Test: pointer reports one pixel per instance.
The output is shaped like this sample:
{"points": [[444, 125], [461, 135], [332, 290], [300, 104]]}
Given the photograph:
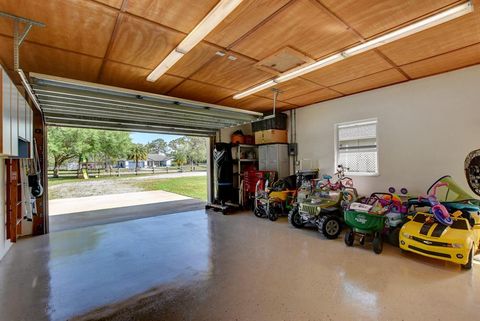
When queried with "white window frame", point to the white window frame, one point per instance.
{"points": [[336, 139]]}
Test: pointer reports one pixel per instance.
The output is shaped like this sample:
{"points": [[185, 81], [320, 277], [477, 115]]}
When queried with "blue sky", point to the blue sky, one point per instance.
{"points": [[144, 138]]}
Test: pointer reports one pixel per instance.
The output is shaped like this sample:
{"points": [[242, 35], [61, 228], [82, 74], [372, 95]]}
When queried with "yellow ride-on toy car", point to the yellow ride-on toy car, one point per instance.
{"points": [[275, 201], [448, 229]]}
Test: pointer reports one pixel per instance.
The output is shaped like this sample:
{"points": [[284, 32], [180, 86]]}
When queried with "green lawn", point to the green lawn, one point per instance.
{"points": [[195, 187]]}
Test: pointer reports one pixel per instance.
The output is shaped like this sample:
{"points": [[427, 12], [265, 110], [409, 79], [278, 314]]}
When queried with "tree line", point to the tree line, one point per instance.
{"points": [[106, 146]]}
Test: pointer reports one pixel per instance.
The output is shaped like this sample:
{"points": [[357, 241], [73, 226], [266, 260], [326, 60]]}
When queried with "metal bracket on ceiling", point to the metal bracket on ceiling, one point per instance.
{"points": [[276, 92], [18, 36]]}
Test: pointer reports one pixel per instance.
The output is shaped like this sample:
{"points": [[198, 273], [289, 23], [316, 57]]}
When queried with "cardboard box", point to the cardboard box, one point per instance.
{"points": [[271, 136]]}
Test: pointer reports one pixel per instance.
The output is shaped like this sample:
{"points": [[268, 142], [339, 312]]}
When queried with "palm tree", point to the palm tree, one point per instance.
{"points": [[138, 152]]}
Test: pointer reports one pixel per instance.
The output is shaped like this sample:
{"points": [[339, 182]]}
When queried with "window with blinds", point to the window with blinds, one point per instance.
{"points": [[356, 147]]}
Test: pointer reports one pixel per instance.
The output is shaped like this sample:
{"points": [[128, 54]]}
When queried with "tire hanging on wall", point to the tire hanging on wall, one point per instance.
{"points": [[472, 170]]}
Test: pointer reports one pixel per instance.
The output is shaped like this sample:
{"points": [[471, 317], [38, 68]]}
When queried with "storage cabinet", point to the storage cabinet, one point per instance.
{"points": [[16, 118], [274, 157]]}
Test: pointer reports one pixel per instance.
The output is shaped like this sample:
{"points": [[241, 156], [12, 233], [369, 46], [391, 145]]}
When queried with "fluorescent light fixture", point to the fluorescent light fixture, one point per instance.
{"points": [[309, 68], [166, 64], [255, 89], [426, 23], [439, 18], [211, 20]]}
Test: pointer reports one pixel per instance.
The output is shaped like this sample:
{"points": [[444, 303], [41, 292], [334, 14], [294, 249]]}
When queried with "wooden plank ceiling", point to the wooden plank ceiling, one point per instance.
{"points": [[118, 42]]}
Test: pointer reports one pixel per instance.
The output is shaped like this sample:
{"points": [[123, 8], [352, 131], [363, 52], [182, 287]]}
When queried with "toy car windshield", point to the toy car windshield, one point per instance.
{"points": [[452, 192]]}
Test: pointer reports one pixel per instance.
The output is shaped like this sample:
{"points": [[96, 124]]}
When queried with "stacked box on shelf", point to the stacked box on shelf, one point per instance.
{"points": [[271, 136]]}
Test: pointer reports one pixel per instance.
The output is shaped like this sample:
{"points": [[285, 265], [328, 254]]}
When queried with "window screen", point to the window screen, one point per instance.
{"points": [[357, 146]]}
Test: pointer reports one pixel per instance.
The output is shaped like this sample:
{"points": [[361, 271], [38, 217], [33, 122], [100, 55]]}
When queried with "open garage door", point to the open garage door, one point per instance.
{"points": [[78, 104], [72, 103]]}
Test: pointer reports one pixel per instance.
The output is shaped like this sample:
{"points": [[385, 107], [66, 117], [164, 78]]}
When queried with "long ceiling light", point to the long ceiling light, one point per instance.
{"points": [[211, 20], [439, 18]]}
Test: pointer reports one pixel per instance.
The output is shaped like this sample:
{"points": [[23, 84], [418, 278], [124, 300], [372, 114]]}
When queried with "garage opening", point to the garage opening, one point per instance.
{"points": [[117, 154], [103, 176]]}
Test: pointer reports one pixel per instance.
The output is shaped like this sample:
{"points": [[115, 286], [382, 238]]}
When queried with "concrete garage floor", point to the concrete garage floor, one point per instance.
{"points": [[206, 266], [69, 213]]}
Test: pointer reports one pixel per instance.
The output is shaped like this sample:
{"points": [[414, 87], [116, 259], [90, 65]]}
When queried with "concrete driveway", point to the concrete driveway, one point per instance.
{"points": [[100, 202]]}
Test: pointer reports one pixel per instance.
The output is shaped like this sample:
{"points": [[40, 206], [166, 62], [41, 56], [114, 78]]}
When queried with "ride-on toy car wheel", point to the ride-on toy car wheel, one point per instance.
{"points": [[259, 212], [272, 215], [468, 265], [349, 238], [394, 236], [377, 243], [330, 226], [295, 219]]}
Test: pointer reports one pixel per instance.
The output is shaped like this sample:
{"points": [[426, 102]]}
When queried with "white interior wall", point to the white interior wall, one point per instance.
{"points": [[425, 129], [4, 244]]}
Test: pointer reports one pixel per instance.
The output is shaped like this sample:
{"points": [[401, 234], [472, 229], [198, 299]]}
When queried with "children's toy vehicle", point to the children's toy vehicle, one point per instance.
{"points": [[341, 183], [367, 219], [321, 207], [275, 202], [424, 234], [397, 216]]}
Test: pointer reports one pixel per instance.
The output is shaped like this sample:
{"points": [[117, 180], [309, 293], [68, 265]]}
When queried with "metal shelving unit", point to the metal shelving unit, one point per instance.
{"points": [[241, 159]]}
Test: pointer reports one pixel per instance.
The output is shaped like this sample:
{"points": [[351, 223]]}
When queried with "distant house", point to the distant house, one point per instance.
{"points": [[130, 164], [158, 160]]}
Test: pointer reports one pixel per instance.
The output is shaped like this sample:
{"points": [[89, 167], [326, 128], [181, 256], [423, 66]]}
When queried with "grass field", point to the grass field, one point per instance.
{"points": [[194, 187]]}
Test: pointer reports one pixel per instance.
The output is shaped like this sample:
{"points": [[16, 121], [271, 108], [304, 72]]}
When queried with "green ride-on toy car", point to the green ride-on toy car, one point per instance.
{"points": [[321, 207]]}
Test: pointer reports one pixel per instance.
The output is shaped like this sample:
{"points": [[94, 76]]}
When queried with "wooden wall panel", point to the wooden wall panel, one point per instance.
{"points": [[247, 15], [458, 33], [371, 17], [237, 74], [142, 43], [449, 61], [195, 90], [181, 15], [51, 61], [78, 25], [314, 97], [120, 75], [59, 62], [380, 79], [351, 68], [303, 26], [194, 60], [291, 88], [112, 3]]}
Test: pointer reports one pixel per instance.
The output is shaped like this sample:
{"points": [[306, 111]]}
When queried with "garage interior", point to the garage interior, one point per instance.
{"points": [[388, 89]]}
